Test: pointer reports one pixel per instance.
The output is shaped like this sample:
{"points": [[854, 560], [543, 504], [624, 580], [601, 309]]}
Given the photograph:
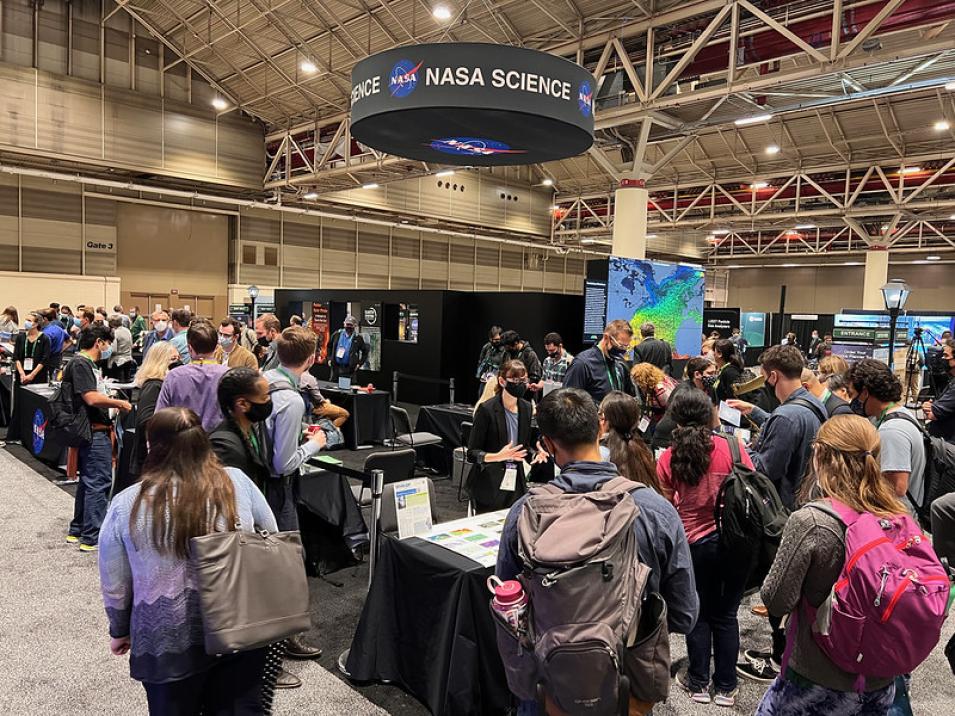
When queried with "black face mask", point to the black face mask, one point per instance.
{"points": [[513, 352], [617, 352], [858, 406], [264, 342], [553, 354], [259, 411], [709, 381], [175, 364], [518, 390]]}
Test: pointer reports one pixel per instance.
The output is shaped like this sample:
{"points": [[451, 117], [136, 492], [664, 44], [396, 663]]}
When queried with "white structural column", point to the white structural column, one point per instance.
{"points": [[876, 276], [630, 219]]}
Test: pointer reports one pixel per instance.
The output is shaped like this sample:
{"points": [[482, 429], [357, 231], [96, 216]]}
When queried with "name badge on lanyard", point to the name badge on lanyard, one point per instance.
{"points": [[28, 364], [509, 483]]}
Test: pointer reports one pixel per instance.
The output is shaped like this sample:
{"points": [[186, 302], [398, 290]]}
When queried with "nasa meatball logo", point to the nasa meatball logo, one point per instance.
{"points": [[39, 431], [371, 316], [404, 78], [472, 147], [585, 99]]}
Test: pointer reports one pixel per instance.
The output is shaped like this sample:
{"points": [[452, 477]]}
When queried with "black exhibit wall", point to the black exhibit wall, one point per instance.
{"points": [[452, 328], [723, 320]]}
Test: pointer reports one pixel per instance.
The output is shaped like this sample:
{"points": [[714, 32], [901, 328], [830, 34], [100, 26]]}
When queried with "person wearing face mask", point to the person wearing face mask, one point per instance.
{"points": [[31, 355], [194, 385], [491, 354], [181, 319], [835, 405], [84, 383], [941, 412], [730, 367], [781, 452], [600, 369], [516, 348], [556, 362], [160, 331], [653, 388], [137, 325], [814, 342], [500, 442], [120, 364], [652, 350], [229, 352], [240, 440], [267, 330], [347, 350]]}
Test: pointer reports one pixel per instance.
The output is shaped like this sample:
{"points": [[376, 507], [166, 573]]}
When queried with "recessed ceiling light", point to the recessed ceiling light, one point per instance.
{"points": [[941, 125], [219, 103], [756, 119], [933, 258], [950, 86], [311, 195], [789, 265], [852, 263], [910, 170], [445, 173], [805, 227], [441, 12], [759, 185], [651, 236], [772, 149], [371, 185], [548, 182], [308, 67]]}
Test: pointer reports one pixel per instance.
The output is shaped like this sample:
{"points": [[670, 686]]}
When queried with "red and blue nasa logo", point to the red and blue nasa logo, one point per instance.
{"points": [[39, 431], [472, 147], [404, 78], [585, 99]]}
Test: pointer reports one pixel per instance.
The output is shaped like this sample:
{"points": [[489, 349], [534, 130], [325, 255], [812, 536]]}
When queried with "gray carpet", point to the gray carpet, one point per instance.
{"points": [[54, 646]]}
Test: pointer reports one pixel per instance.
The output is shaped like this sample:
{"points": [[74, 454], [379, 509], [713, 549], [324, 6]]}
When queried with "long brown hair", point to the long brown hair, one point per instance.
{"points": [[846, 467], [186, 490], [628, 452]]}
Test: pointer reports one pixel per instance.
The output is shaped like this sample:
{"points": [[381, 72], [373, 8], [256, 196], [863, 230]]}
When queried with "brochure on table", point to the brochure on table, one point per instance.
{"points": [[477, 538], [413, 507]]}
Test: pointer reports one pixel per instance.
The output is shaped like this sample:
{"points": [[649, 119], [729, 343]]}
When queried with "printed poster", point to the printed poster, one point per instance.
{"points": [[319, 326], [477, 538], [371, 330]]}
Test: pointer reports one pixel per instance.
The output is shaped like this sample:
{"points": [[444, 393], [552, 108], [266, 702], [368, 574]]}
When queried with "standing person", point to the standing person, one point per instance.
{"points": [[120, 364], [809, 561], [653, 350], [516, 348], [941, 412], [556, 362], [149, 380], [781, 452], [319, 405], [137, 325], [876, 393], [600, 369], [194, 385], [181, 318], [814, 342], [833, 403], [691, 474], [836, 384], [492, 353], [60, 340], [295, 321], [730, 366], [739, 341], [832, 365], [229, 352], [653, 388], [150, 591], [500, 442], [118, 310], [347, 350], [95, 459], [66, 318], [160, 331], [268, 328], [10, 320], [621, 444], [31, 353], [790, 340]]}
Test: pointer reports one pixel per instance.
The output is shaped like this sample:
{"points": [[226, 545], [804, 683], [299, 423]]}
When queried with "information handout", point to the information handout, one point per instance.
{"points": [[729, 414], [477, 538], [413, 507]]}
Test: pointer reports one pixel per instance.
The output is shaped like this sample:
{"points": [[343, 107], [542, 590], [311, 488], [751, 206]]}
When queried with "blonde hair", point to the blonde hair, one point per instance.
{"points": [[156, 364], [647, 377], [846, 467], [833, 364], [490, 390]]}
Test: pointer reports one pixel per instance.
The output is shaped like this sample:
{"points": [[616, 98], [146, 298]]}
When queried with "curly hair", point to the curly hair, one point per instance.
{"points": [[646, 377], [692, 439], [875, 376]]}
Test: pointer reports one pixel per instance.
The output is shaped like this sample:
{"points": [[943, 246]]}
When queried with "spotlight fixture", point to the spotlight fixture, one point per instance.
{"points": [[910, 170], [720, 232], [548, 182], [772, 150], [219, 103], [310, 196], [805, 227], [372, 185], [308, 67], [756, 119], [441, 12], [757, 185], [942, 125]]}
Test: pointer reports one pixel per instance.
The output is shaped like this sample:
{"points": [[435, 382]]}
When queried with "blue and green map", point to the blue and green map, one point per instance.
{"points": [[668, 295]]}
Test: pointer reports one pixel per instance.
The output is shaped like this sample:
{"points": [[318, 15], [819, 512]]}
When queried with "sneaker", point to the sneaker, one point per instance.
{"points": [[700, 696], [757, 670], [88, 547], [752, 656], [72, 539], [726, 699]]}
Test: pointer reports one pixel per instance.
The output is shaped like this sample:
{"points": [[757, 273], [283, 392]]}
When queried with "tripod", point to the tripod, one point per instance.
{"points": [[913, 370]]}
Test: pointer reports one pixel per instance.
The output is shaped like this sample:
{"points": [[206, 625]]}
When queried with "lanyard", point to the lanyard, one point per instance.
{"points": [[884, 411], [203, 361], [30, 353], [610, 374], [288, 375], [825, 396], [254, 441]]}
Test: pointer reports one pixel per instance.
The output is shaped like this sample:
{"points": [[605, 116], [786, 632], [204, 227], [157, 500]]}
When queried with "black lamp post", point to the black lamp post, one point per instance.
{"points": [[253, 294], [895, 293]]}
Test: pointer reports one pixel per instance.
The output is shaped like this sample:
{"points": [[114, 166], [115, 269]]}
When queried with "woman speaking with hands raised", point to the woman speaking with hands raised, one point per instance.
{"points": [[500, 443]]}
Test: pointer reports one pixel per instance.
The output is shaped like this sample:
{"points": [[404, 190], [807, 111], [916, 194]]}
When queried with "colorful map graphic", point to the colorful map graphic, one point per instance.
{"points": [[668, 295]]}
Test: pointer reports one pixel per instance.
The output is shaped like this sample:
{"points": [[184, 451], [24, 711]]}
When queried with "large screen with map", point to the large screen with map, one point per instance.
{"points": [[669, 295]]}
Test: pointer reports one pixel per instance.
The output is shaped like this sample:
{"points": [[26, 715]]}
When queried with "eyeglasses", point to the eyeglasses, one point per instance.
{"points": [[226, 335], [518, 381]]}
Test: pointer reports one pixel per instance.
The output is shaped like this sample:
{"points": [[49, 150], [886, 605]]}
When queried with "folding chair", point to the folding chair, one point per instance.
{"points": [[397, 465]]}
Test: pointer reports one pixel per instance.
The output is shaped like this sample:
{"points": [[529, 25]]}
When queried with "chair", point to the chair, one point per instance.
{"points": [[403, 434], [397, 465], [389, 515], [461, 456]]}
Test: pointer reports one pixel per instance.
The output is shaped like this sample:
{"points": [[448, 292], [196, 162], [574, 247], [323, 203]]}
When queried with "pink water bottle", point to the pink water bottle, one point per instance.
{"points": [[510, 602]]}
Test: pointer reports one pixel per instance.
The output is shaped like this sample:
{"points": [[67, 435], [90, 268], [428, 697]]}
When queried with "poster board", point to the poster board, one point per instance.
{"points": [[412, 507], [319, 326], [371, 318]]}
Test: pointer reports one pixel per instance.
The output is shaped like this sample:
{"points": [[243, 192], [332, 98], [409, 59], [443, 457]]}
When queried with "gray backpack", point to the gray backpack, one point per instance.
{"points": [[591, 637]]}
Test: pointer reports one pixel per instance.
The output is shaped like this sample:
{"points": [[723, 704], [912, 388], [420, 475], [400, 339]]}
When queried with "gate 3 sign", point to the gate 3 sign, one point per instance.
{"points": [[472, 104]]}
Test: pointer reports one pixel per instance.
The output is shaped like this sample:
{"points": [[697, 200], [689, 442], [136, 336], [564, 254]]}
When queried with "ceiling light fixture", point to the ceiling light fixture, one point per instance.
{"points": [[950, 86], [942, 125], [756, 119], [720, 232], [933, 258], [445, 173], [651, 236], [441, 12], [852, 263], [910, 170], [311, 195], [772, 150], [757, 185], [219, 103], [372, 185], [548, 182], [805, 227], [308, 67]]}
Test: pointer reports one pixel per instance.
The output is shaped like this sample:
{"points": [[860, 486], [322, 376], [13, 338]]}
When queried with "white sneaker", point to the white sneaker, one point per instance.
{"points": [[698, 696], [726, 699]]}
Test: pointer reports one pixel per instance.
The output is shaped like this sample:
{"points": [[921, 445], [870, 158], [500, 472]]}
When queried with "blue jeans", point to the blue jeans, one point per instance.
{"points": [[92, 492], [720, 588]]}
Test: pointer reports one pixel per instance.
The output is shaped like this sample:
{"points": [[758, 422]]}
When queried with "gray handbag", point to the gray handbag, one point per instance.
{"points": [[252, 588]]}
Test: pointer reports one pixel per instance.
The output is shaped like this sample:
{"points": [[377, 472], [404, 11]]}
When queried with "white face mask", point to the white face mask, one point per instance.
{"points": [[160, 326]]}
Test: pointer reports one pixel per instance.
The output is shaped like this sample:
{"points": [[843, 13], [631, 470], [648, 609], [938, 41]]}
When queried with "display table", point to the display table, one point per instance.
{"points": [[38, 436], [330, 520], [370, 421], [444, 421], [427, 627]]}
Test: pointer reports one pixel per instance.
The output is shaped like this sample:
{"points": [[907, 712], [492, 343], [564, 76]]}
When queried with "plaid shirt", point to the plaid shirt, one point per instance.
{"points": [[555, 368]]}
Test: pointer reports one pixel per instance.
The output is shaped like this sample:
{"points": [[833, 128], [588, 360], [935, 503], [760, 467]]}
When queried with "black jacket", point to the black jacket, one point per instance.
{"points": [[233, 450], [943, 408], [837, 406], [529, 358], [489, 435], [729, 376], [591, 371], [356, 356], [39, 351], [145, 407], [655, 352]]}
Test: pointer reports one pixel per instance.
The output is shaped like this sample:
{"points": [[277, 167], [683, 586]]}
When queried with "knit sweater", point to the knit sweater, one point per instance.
{"points": [[808, 563], [152, 597]]}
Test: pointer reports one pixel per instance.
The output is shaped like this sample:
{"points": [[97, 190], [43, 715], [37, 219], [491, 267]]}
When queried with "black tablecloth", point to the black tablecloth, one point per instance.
{"points": [[330, 521], [370, 420], [38, 436], [426, 626], [6, 398], [444, 421]]}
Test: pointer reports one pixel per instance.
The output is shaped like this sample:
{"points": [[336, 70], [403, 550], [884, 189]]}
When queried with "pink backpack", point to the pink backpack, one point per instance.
{"points": [[885, 612]]}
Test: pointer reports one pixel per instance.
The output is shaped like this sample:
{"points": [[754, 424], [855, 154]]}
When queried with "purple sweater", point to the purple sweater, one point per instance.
{"points": [[194, 386]]}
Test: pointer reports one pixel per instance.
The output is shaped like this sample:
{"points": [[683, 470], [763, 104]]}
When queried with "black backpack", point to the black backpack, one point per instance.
{"points": [[939, 477], [73, 426], [749, 516]]}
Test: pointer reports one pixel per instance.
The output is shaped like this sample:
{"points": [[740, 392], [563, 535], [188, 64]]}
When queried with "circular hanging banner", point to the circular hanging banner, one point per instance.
{"points": [[472, 104]]}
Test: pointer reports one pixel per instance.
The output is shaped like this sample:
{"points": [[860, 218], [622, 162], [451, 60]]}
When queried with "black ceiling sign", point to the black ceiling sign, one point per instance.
{"points": [[472, 104]]}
